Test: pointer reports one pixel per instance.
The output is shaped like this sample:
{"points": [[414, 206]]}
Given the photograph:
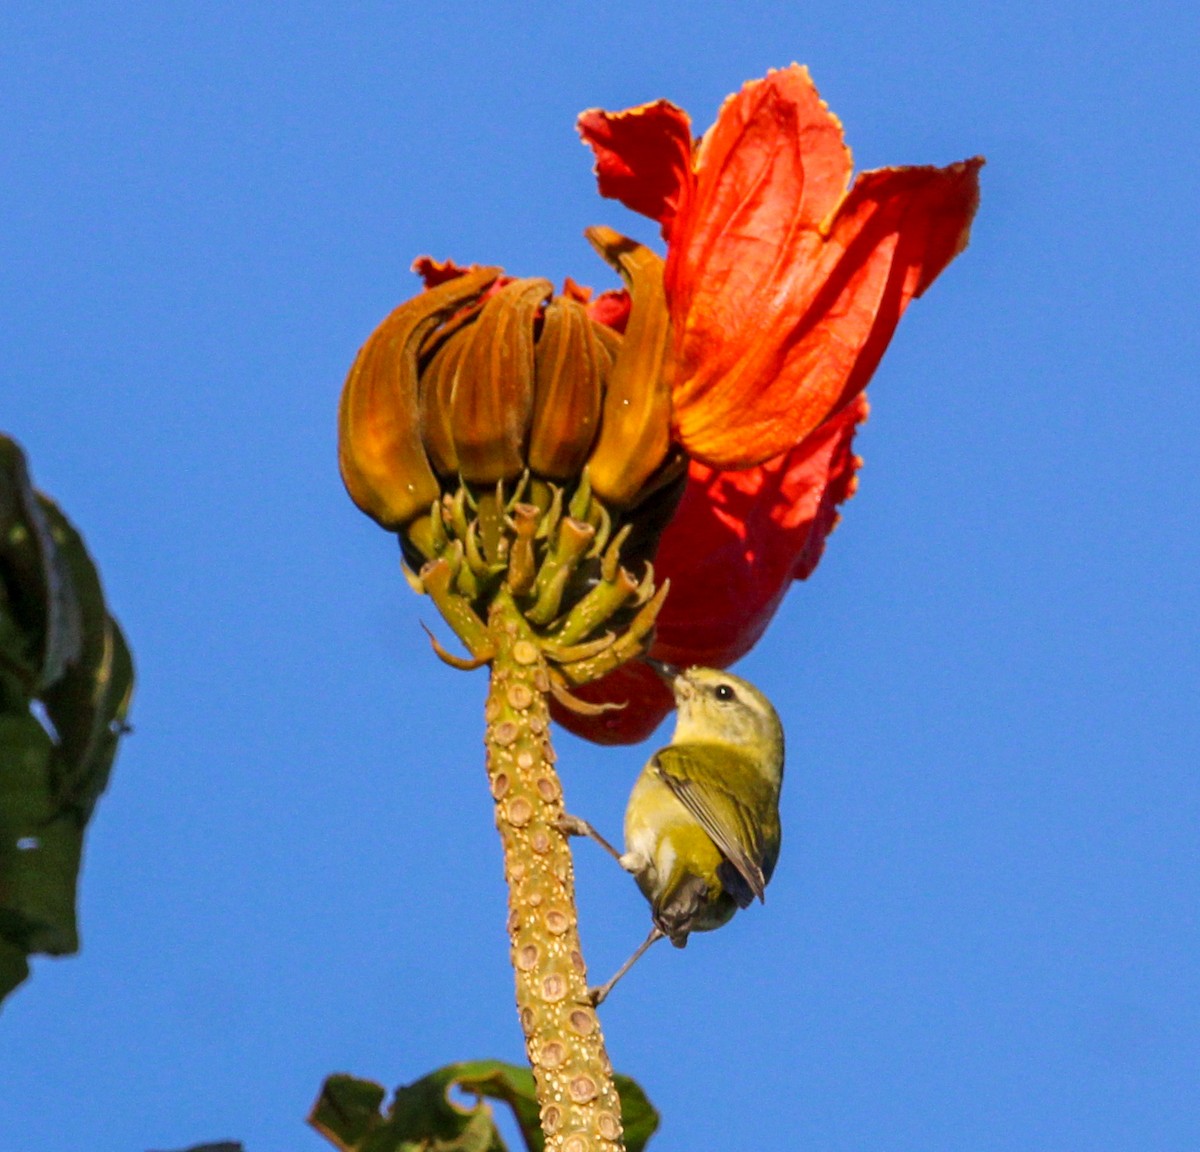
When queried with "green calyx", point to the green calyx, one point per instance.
{"points": [[581, 576]]}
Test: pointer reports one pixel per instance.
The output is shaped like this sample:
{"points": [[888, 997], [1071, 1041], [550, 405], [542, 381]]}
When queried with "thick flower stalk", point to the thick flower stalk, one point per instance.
{"points": [[580, 1108], [545, 458]]}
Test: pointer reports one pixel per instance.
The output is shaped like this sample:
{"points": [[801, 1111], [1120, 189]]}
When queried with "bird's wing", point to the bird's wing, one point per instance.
{"points": [[705, 779]]}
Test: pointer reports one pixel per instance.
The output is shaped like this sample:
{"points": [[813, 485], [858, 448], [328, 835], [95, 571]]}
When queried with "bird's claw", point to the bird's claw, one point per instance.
{"points": [[570, 825]]}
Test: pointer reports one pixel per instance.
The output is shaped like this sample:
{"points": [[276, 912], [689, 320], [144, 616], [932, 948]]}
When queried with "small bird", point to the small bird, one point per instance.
{"points": [[702, 830]]}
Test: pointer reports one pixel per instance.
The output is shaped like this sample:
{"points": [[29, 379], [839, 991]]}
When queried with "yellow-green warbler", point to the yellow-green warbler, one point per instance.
{"points": [[702, 829]]}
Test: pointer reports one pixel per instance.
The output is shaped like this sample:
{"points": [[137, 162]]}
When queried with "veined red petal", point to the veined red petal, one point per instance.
{"points": [[643, 157], [768, 173], [749, 385], [734, 547]]}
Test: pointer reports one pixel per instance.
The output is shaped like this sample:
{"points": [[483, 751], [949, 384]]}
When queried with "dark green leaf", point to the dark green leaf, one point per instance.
{"points": [[17, 672], [421, 1118], [347, 1110], [37, 576], [60, 649], [89, 701], [639, 1117], [37, 850], [13, 966], [508, 1082], [40, 846]]}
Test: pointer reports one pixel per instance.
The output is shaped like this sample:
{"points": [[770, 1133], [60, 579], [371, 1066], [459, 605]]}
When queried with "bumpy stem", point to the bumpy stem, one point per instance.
{"points": [[580, 1110]]}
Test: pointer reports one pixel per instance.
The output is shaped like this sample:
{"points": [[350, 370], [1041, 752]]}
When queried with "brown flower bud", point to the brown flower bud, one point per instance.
{"points": [[492, 399], [568, 383], [380, 450], [635, 421], [437, 387]]}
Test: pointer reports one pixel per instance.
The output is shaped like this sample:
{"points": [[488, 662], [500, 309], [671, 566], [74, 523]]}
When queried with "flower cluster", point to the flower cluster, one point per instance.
{"points": [[706, 413]]}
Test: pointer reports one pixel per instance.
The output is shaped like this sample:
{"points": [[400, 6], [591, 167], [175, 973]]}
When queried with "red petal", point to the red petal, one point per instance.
{"points": [[435, 272], [842, 480], [643, 157], [740, 538], [573, 290], [783, 291], [929, 212], [838, 307], [611, 308], [646, 697]]}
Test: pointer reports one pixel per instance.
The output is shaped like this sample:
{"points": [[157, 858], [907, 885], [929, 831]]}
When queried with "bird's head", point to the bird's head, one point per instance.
{"points": [[718, 707]]}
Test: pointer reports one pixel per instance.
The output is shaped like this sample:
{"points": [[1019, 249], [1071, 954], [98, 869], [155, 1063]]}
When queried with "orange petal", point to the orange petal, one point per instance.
{"points": [[643, 157], [768, 172], [760, 367]]}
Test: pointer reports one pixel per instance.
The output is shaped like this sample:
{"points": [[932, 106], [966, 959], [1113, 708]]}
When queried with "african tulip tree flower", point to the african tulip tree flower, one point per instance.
{"points": [[741, 362]]}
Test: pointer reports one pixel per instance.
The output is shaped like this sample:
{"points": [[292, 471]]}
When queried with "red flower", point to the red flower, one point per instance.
{"points": [[784, 284]]}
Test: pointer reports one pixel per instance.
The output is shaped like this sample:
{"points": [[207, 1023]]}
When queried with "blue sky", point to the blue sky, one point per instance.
{"points": [[983, 930]]}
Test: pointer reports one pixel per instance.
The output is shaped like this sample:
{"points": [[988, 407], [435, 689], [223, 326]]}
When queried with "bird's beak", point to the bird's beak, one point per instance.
{"points": [[668, 672]]}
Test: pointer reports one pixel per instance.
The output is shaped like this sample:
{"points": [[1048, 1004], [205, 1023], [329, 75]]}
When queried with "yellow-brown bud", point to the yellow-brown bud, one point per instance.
{"points": [[492, 399], [437, 386], [635, 422], [380, 450], [570, 368], [481, 381]]}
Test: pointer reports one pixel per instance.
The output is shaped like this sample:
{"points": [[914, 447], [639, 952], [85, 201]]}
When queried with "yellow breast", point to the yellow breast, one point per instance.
{"points": [[663, 840]]}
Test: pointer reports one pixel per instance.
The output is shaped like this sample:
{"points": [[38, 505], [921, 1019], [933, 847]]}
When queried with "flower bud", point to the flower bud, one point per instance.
{"points": [[380, 450], [492, 398], [570, 364], [437, 386], [635, 423]]}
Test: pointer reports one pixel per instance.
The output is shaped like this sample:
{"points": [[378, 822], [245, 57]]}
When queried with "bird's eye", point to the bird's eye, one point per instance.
{"points": [[724, 692]]}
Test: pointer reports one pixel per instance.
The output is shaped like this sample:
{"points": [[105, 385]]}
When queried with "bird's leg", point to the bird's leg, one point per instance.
{"points": [[598, 995], [573, 826]]}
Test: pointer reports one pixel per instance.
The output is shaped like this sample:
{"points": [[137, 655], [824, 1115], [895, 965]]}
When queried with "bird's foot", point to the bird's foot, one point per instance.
{"points": [[570, 825]]}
